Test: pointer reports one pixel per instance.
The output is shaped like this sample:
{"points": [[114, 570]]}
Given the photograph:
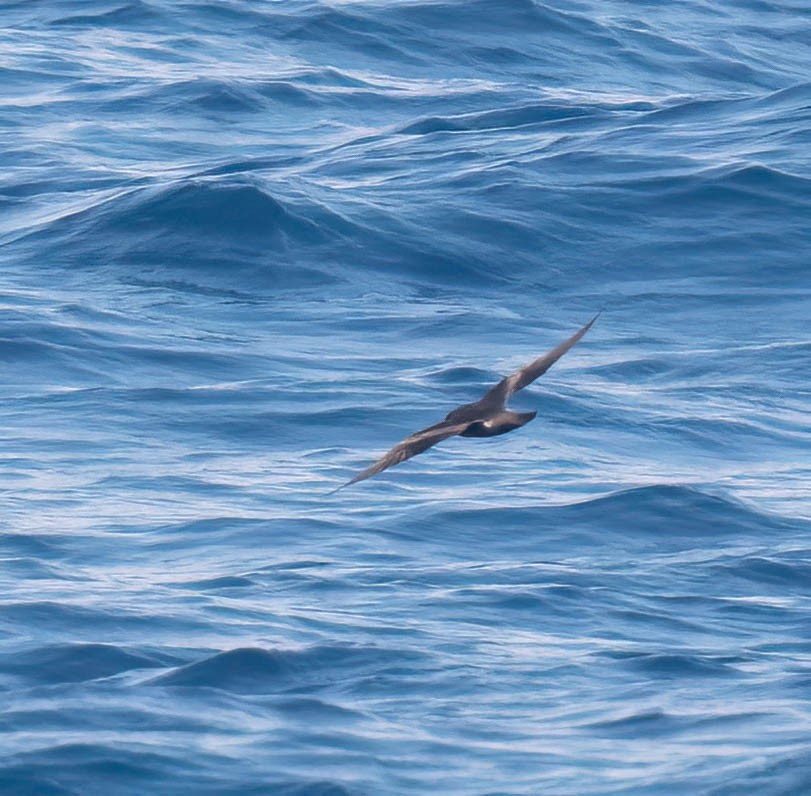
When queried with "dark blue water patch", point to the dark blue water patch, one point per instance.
{"points": [[488, 606], [290, 92], [219, 531], [792, 98], [314, 788], [786, 776], [463, 374], [196, 226], [97, 360], [93, 760], [256, 428], [645, 617], [169, 404], [12, 570], [19, 83], [70, 769], [673, 515], [503, 118], [675, 665], [32, 355], [216, 233], [652, 723], [178, 484], [309, 709], [487, 17], [203, 531], [49, 615], [744, 613], [23, 780], [205, 94], [225, 583], [659, 723], [343, 29], [241, 211], [648, 369], [240, 671], [695, 373], [730, 438], [134, 14], [40, 547], [73, 663], [791, 572], [260, 671], [223, 100], [483, 31], [757, 187], [15, 191]]}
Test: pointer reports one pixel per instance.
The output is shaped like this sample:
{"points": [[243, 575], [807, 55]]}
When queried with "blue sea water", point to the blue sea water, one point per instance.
{"points": [[245, 247]]}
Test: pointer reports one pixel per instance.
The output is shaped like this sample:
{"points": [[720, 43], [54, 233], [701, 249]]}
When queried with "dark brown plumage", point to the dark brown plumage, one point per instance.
{"points": [[486, 417]]}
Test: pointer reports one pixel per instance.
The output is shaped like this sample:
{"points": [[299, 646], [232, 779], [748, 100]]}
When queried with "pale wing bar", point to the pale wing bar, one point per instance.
{"points": [[416, 443]]}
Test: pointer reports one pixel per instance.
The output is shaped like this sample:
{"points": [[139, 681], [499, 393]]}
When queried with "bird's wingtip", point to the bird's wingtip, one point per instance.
{"points": [[358, 477]]}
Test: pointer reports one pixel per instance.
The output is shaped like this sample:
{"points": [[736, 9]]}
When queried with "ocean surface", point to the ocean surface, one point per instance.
{"points": [[246, 247]]}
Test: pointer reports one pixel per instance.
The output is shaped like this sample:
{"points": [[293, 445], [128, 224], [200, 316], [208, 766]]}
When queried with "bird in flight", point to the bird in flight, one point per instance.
{"points": [[487, 417]]}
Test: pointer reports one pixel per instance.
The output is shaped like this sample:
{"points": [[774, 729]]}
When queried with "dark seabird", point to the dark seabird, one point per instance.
{"points": [[487, 417]]}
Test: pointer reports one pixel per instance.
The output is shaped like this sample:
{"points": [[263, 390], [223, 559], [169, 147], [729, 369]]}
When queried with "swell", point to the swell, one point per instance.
{"points": [[673, 515], [237, 235], [754, 185], [197, 227], [257, 671], [76, 662], [505, 119]]}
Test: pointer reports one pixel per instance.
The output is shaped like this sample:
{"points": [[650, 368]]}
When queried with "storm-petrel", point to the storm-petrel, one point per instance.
{"points": [[487, 417]]}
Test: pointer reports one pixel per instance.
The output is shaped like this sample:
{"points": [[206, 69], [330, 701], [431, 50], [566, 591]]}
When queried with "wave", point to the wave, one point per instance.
{"points": [[209, 210], [206, 94], [488, 16], [199, 227], [679, 665], [134, 13], [62, 770], [208, 231], [76, 662], [787, 775], [504, 118], [671, 514], [794, 576], [71, 769], [660, 723], [727, 185], [219, 97], [261, 671], [68, 617]]}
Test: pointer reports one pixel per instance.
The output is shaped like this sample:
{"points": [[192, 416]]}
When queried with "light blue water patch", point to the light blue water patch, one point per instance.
{"points": [[247, 247]]}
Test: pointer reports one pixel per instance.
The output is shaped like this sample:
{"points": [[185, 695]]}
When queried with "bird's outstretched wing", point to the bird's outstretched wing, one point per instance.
{"points": [[412, 445], [498, 395]]}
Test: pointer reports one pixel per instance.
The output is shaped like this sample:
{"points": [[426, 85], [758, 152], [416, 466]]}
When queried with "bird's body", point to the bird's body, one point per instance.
{"points": [[487, 417], [498, 424]]}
